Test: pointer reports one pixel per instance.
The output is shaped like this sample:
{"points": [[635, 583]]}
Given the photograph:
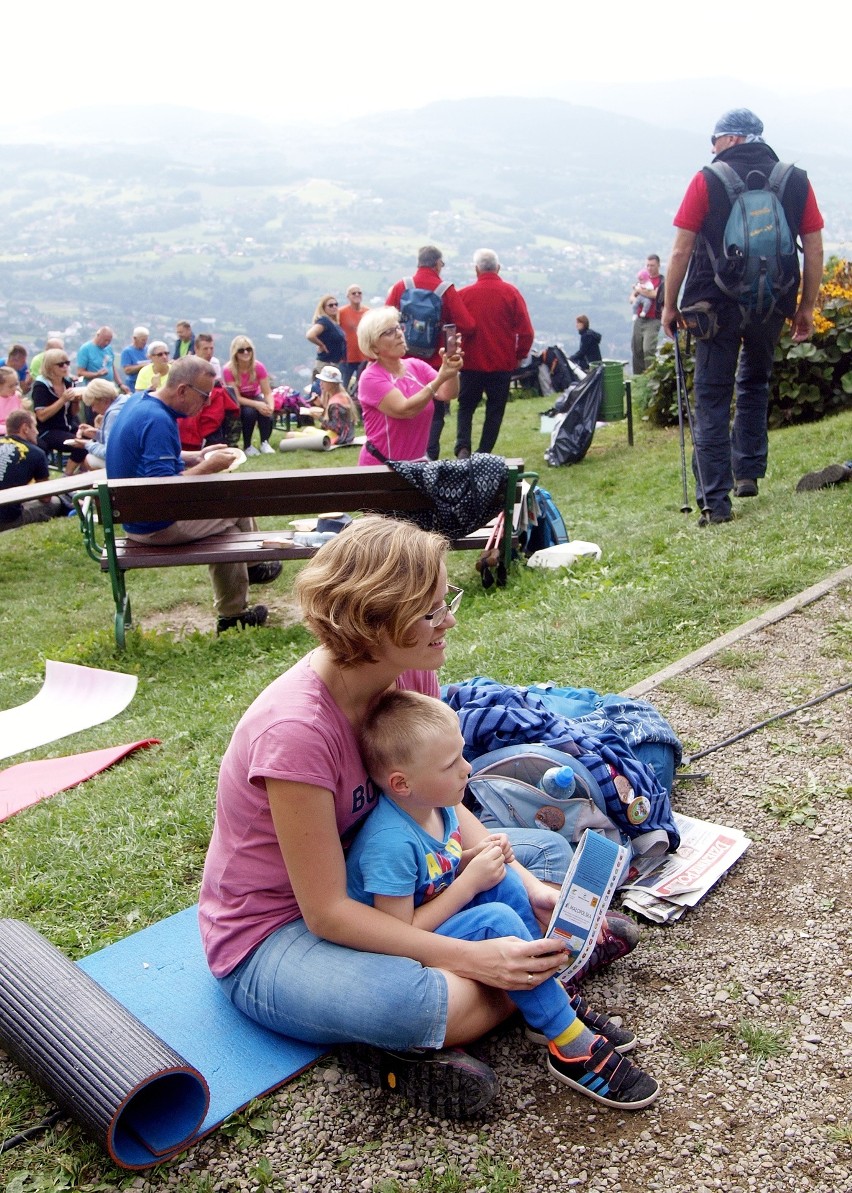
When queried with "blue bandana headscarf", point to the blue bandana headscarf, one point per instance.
{"points": [[739, 122]]}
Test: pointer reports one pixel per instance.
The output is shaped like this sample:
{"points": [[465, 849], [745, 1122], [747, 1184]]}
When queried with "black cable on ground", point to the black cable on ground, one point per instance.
{"points": [[779, 716], [6, 1145]]}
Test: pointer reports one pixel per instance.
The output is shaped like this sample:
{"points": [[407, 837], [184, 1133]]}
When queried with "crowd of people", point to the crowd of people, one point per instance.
{"points": [[426, 934]]}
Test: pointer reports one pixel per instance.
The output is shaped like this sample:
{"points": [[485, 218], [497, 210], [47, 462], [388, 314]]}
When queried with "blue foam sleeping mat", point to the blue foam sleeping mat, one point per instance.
{"points": [[160, 975]]}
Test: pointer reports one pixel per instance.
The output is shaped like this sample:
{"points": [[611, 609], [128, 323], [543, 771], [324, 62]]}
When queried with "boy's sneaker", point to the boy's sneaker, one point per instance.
{"points": [[447, 1082], [251, 450], [256, 615], [266, 448], [605, 1076], [621, 1038], [618, 937]]}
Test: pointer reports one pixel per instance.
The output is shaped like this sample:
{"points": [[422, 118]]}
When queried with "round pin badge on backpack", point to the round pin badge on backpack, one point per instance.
{"points": [[638, 810]]}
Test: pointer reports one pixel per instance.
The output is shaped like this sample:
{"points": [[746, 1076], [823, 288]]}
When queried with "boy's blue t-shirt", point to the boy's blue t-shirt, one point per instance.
{"points": [[393, 855]]}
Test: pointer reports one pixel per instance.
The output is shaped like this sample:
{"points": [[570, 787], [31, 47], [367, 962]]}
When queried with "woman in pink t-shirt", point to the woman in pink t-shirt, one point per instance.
{"points": [[253, 392], [396, 393], [290, 948]]}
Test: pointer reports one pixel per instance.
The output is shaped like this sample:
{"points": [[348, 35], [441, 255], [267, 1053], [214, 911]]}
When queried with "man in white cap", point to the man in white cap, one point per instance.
{"points": [[740, 345]]}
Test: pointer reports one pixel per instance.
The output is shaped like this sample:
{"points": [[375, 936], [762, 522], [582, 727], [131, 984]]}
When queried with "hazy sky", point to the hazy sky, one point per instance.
{"points": [[302, 60]]}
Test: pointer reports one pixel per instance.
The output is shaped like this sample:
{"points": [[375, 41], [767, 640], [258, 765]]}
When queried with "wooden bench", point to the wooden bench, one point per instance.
{"points": [[251, 495], [52, 488]]}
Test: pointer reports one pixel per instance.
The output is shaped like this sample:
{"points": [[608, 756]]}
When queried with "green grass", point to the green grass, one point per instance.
{"points": [[703, 1055], [762, 1042], [125, 849]]}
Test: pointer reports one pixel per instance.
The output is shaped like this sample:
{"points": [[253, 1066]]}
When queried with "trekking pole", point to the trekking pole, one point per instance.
{"points": [[681, 379], [779, 716], [685, 508]]}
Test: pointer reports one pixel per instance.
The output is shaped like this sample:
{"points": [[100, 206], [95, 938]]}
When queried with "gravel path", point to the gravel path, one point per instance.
{"points": [[768, 949]]}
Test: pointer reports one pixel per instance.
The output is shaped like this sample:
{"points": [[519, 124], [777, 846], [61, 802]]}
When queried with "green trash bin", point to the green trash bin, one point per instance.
{"points": [[612, 406]]}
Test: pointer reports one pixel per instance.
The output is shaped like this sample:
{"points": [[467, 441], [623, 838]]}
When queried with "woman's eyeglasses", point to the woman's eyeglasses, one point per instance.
{"points": [[391, 331], [240, 351], [439, 616]]}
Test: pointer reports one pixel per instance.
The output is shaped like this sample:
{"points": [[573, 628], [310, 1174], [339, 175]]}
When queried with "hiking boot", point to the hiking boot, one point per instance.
{"points": [[711, 519], [447, 1083], [834, 474], [605, 1076], [256, 615], [618, 937], [621, 1038], [746, 488], [264, 573]]}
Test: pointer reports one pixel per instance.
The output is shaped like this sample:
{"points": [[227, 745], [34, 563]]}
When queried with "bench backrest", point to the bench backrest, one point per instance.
{"points": [[259, 494]]}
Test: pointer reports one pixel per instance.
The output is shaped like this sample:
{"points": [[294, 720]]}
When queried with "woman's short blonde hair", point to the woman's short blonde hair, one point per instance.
{"points": [[401, 728], [100, 390], [371, 327], [52, 358], [370, 583]]}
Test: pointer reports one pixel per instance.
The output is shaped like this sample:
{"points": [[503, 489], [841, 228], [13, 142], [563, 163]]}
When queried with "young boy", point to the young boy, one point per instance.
{"points": [[412, 861]]}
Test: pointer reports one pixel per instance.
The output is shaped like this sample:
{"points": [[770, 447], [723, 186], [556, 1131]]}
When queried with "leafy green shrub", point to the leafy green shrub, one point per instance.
{"points": [[809, 380]]}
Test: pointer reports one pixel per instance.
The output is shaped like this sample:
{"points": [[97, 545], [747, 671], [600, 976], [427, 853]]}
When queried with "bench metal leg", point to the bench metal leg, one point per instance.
{"points": [[123, 621]]}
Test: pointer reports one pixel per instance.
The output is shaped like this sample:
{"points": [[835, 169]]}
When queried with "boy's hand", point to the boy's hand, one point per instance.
{"points": [[497, 839], [486, 868]]}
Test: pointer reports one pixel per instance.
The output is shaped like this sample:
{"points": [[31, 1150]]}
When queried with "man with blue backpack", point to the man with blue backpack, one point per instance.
{"points": [[738, 229], [426, 306]]}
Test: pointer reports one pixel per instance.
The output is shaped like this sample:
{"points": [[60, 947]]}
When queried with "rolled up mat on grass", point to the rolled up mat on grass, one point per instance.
{"points": [[138, 1097], [23, 785], [297, 441], [72, 698]]}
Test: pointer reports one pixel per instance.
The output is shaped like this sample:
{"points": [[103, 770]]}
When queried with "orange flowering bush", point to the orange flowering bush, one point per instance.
{"points": [[809, 380]]}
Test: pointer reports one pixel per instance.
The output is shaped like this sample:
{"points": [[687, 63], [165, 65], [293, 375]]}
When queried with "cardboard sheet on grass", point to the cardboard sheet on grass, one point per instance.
{"points": [[72, 698], [160, 975], [27, 783]]}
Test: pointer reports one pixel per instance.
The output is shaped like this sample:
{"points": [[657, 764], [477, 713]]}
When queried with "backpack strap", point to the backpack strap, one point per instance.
{"points": [[778, 179], [376, 452], [729, 179], [442, 289], [408, 284]]}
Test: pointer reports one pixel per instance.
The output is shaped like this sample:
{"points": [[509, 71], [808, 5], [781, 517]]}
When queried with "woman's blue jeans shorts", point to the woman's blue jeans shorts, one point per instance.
{"points": [[299, 985]]}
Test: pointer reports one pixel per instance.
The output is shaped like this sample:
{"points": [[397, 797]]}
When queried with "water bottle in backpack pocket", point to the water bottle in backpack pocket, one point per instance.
{"points": [[508, 784]]}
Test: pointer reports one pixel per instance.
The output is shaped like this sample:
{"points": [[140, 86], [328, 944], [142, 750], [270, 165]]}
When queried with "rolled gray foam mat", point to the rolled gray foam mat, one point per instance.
{"points": [[138, 1098]]}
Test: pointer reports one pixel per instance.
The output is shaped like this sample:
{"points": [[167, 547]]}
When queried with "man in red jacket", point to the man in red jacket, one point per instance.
{"points": [[430, 262], [503, 337]]}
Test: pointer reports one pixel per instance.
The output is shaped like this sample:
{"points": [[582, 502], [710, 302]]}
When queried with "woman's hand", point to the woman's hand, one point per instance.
{"points": [[451, 366], [510, 963]]}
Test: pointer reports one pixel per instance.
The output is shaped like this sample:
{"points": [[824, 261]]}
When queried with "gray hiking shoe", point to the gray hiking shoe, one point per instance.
{"points": [[447, 1083]]}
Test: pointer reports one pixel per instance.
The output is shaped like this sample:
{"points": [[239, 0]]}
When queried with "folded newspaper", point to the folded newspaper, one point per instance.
{"points": [[662, 888], [585, 895]]}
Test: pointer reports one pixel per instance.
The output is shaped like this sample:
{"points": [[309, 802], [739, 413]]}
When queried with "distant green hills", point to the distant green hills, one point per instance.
{"points": [[244, 226]]}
